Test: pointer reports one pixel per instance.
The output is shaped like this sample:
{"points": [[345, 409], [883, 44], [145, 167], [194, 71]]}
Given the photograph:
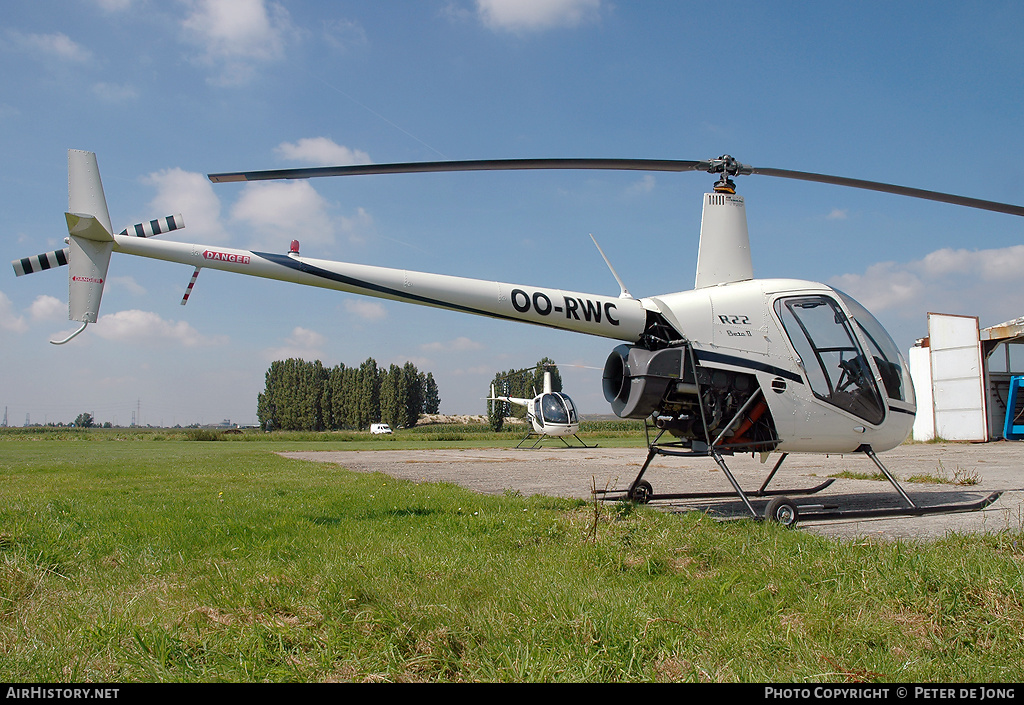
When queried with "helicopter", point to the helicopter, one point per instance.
{"points": [[551, 414], [734, 365]]}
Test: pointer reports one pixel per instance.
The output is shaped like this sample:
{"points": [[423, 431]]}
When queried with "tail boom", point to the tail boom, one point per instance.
{"points": [[609, 317]]}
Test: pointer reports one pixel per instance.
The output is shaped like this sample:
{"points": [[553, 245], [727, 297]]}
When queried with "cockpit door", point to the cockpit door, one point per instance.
{"points": [[837, 370]]}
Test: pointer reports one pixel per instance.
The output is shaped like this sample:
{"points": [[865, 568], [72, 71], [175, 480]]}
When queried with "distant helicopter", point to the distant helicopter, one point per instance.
{"points": [[551, 414], [736, 364]]}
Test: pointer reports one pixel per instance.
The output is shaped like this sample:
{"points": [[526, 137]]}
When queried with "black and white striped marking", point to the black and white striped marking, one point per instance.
{"points": [[37, 263], [155, 227]]}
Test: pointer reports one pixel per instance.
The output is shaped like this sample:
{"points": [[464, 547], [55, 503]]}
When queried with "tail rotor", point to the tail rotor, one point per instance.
{"points": [[90, 242]]}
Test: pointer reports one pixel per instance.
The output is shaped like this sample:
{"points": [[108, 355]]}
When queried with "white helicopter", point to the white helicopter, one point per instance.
{"points": [[551, 414], [736, 364]]}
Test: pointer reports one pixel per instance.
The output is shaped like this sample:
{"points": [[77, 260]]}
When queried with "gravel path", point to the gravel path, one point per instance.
{"points": [[573, 472]]}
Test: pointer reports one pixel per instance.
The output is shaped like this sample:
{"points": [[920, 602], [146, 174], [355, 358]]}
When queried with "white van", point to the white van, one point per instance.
{"points": [[380, 428]]}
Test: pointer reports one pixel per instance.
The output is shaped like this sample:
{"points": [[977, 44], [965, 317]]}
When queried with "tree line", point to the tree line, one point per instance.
{"points": [[307, 396], [523, 384]]}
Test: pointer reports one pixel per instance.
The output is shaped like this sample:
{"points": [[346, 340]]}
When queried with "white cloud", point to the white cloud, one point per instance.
{"points": [[321, 151], [358, 227], [1000, 264], [48, 308], [114, 5], [192, 195], [366, 309], [421, 363], [458, 344], [343, 34], [235, 34], [984, 283], [136, 326], [303, 344], [305, 337], [487, 370], [837, 214], [644, 185], [277, 212], [882, 286], [126, 282], [49, 46], [114, 93], [536, 15], [9, 321]]}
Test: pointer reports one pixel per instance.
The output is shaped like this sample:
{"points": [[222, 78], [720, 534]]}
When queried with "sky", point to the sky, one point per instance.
{"points": [[921, 94]]}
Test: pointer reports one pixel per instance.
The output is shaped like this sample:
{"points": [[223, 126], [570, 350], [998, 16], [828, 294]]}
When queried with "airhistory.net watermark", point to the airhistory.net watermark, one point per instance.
{"points": [[56, 693]]}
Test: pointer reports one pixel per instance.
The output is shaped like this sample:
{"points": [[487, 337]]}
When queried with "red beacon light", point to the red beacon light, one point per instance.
{"points": [[294, 248]]}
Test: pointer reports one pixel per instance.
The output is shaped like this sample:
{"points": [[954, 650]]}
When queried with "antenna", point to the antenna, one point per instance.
{"points": [[623, 293]]}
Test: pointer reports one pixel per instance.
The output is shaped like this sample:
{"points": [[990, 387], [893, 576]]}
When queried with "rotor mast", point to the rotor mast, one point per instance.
{"points": [[723, 255]]}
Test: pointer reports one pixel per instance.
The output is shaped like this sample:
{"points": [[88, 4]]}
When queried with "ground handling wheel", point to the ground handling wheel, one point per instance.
{"points": [[783, 511], [641, 492]]}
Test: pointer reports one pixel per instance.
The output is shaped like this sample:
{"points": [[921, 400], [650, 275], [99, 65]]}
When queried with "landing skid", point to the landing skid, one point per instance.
{"points": [[781, 508], [641, 491], [541, 437]]}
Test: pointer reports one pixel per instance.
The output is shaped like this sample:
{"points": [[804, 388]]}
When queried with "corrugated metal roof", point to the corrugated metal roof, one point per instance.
{"points": [[1004, 331]]}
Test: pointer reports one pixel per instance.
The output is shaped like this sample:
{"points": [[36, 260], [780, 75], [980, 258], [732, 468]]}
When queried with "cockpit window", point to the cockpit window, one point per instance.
{"points": [[558, 408], [890, 363], [837, 369], [570, 408]]}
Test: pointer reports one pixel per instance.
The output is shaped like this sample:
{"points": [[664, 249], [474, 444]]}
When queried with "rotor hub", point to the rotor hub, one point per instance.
{"points": [[727, 166]]}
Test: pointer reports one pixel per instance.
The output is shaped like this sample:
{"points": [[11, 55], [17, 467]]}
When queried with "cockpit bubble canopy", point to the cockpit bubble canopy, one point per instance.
{"points": [[891, 364]]}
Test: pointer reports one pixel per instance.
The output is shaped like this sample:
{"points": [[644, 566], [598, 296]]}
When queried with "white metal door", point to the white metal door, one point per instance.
{"points": [[957, 388]]}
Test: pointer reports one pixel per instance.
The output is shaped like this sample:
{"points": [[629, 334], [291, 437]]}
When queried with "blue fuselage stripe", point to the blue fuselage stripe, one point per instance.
{"points": [[705, 356], [286, 261]]}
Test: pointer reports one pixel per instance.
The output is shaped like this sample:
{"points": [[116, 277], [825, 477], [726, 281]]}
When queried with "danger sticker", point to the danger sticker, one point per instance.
{"points": [[226, 257]]}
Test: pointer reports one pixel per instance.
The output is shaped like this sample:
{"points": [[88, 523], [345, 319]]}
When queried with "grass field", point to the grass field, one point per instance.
{"points": [[149, 556]]}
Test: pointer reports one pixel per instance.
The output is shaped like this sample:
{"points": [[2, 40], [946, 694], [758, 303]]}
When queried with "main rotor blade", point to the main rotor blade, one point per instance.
{"points": [[722, 165], [890, 188], [466, 165]]}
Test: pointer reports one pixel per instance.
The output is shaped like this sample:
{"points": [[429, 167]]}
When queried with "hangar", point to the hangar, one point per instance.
{"points": [[966, 377]]}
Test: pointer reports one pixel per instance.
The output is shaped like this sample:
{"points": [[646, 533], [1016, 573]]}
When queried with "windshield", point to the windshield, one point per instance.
{"points": [[558, 408], [891, 365]]}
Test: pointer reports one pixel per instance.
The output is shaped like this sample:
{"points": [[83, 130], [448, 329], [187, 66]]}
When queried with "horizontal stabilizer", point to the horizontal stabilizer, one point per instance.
{"points": [[155, 227], [88, 227], [37, 263]]}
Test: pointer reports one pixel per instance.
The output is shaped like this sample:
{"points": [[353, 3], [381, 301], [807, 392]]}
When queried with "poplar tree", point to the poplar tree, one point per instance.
{"points": [[301, 395], [431, 398]]}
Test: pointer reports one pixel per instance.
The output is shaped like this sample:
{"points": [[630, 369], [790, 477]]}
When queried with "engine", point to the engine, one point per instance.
{"points": [[636, 380], [683, 397]]}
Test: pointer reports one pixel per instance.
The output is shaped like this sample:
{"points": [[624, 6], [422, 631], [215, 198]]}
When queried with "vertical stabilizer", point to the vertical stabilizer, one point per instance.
{"points": [[85, 190], [90, 242], [724, 252]]}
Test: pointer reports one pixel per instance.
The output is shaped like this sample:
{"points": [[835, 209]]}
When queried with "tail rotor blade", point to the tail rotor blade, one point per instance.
{"points": [[38, 263], [155, 227]]}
